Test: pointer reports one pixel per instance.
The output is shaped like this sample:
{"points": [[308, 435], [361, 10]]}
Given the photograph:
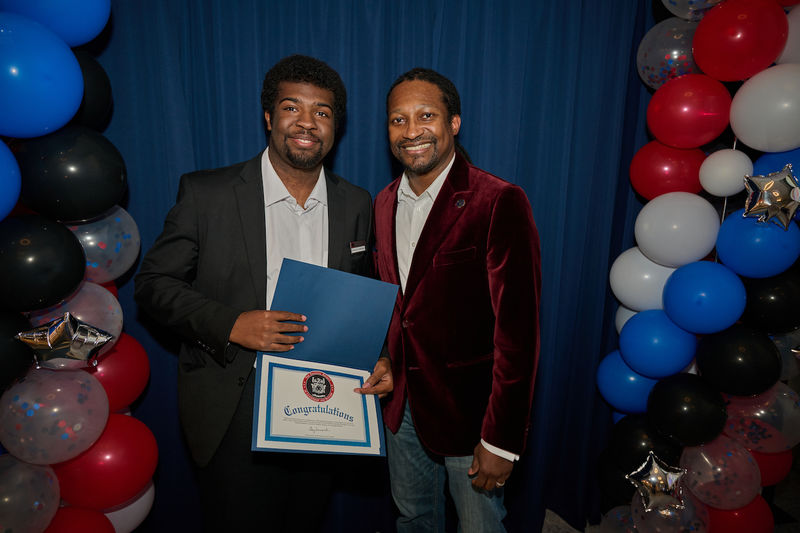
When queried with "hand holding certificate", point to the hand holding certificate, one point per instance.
{"points": [[312, 402]]}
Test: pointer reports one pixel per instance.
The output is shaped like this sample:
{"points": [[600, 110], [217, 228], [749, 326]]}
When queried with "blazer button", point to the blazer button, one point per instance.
{"points": [[406, 323]]}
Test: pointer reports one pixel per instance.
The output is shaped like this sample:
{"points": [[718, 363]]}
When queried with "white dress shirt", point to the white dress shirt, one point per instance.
{"points": [[412, 212], [293, 231]]}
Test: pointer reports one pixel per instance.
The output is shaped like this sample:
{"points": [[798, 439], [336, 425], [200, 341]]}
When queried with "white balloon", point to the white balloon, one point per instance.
{"points": [[791, 52], [677, 228], [765, 113], [722, 173], [129, 515], [636, 281], [622, 316]]}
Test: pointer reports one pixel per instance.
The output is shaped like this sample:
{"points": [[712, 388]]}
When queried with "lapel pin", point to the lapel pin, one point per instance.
{"points": [[460, 203]]}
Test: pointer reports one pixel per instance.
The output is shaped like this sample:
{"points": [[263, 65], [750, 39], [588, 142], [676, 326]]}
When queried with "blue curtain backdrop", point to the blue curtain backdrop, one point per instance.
{"points": [[550, 102]]}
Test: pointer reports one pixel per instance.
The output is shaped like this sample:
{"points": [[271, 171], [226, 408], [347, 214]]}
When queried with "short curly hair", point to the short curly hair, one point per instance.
{"points": [[449, 92], [304, 69]]}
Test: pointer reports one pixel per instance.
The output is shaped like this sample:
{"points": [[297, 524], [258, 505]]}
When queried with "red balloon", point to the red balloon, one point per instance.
{"points": [[755, 517], [77, 520], [114, 470], [123, 372], [739, 38], [657, 169], [689, 111], [774, 466]]}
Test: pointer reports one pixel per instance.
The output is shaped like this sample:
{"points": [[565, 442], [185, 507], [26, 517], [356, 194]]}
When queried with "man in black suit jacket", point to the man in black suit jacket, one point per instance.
{"points": [[206, 277]]}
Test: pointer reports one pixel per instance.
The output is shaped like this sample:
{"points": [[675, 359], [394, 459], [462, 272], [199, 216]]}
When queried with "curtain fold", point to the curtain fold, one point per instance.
{"points": [[548, 102]]}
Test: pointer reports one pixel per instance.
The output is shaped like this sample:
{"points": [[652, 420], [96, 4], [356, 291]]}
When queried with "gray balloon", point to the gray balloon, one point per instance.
{"points": [[666, 52]]}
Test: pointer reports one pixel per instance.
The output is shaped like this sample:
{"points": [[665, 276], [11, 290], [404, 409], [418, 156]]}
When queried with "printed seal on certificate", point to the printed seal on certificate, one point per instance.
{"points": [[318, 386]]}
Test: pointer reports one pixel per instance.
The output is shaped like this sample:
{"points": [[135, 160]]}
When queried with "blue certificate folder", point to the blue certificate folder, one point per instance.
{"points": [[347, 317]]}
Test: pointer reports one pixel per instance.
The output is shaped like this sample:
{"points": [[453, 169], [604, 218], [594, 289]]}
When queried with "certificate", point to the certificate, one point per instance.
{"points": [[311, 407], [306, 403]]}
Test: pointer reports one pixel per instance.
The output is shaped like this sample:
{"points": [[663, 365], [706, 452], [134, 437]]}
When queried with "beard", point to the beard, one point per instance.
{"points": [[417, 165], [305, 159]]}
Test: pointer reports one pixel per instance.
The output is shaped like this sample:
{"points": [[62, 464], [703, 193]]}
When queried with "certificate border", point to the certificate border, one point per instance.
{"points": [[268, 415], [369, 448]]}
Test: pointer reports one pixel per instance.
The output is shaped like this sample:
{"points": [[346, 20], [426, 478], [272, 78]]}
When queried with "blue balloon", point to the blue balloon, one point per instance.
{"points": [[757, 249], [76, 22], [775, 161], [704, 297], [40, 80], [654, 346], [621, 387], [10, 181]]}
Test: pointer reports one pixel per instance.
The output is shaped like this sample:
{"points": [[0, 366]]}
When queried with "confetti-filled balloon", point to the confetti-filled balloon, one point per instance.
{"points": [[111, 244], [665, 52], [769, 422], [29, 495], [691, 517], [721, 473], [689, 9], [51, 416]]}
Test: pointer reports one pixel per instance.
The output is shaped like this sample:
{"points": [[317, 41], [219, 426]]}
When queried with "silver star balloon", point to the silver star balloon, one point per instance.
{"points": [[658, 483], [65, 342], [774, 197]]}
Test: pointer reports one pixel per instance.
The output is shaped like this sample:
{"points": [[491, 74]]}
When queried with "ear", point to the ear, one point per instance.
{"points": [[269, 123], [455, 124]]}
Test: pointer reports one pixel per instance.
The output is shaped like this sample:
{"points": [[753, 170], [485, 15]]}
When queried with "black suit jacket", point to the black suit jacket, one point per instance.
{"points": [[209, 265]]}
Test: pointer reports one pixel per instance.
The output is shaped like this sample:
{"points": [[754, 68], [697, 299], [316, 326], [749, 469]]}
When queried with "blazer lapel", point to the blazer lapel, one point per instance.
{"points": [[385, 220], [451, 202], [250, 200]]}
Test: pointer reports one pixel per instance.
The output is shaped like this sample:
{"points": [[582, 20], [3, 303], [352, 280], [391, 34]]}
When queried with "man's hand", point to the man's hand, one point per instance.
{"points": [[267, 330], [380, 382], [491, 471]]}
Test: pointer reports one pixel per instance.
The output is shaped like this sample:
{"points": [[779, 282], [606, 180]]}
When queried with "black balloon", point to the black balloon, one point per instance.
{"points": [[615, 489], [772, 303], [95, 109], [687, 409], [71, 175], [632, 438], [16, 357], [41, 262], [740, 361]]}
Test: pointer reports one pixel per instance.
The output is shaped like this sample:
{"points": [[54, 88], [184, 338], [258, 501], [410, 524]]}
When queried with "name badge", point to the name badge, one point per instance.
{"points": [[358, 246]]}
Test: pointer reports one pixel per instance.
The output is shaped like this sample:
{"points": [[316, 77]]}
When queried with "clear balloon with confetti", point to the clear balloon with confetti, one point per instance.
{"points": [[51, 416], [111, 244]]}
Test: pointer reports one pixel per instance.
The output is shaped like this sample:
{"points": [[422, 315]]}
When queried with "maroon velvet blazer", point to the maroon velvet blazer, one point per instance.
{"points": [[464, 337]]}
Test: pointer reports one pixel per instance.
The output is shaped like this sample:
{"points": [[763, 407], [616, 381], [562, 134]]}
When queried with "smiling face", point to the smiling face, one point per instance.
{"points": [[421, 135], [301, 126]]}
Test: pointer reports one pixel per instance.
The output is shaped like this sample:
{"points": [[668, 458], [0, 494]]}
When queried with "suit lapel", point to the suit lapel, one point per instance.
{"points": [[250, 200], [337, 234], [385, 220], [451, 202]]}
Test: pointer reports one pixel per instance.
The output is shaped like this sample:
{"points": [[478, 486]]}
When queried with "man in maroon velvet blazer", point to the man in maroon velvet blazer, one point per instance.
{"points": [[464, 336]]}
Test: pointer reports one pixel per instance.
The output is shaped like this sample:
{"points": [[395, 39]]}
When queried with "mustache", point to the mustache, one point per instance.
{"points": [[304, 134], [418, 140]]}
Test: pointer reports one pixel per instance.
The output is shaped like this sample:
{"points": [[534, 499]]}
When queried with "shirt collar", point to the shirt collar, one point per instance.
{"points": [[275, 191], [405, 191]]}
